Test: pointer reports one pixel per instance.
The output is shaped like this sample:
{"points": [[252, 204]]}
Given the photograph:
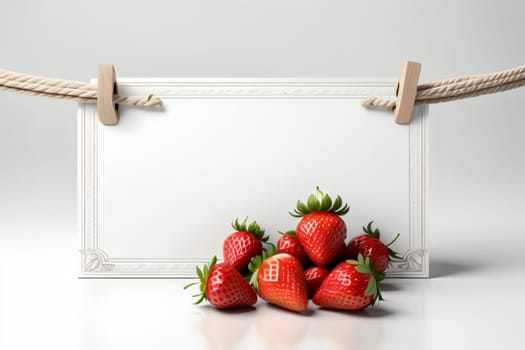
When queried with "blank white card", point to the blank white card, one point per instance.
{"points": [[159, 190]]}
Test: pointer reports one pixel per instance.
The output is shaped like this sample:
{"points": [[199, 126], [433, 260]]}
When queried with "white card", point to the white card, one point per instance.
{"points": [[159, 190]]}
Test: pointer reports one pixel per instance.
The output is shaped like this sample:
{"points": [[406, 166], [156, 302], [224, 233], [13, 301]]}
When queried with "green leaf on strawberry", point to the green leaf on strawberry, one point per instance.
{"points": [[366, 266], [223, 286], [320, 201], [243, 244], [256, 262], [252, 228], [280, 280], [375, 233], [321, 231], [326, 203], [203, 280]]}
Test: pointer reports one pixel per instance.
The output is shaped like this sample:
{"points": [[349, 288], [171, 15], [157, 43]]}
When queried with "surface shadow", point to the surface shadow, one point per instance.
{"points": [[371, 312], [442, 268], [239, 310], [307, 312], [390, 287]]}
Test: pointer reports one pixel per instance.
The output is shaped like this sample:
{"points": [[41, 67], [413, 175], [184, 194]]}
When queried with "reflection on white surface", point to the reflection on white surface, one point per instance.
{"points": [[222, 329], [281, 329], [43, 305], [269, 327]]}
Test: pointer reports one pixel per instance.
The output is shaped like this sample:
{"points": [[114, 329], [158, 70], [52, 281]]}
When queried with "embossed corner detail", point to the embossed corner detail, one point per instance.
{"points": [[412, 260], [95, 260]]}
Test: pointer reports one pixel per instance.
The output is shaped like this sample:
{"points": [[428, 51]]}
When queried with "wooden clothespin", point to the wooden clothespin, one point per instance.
{"points": [[106, 88], [406, 91]]}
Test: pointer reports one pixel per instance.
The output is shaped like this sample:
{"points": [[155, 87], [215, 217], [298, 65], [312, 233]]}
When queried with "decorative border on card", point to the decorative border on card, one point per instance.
{"points": [[95, 262]]}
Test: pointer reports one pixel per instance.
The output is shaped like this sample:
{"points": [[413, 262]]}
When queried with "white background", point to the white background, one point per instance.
{"points": [[476, 179]]}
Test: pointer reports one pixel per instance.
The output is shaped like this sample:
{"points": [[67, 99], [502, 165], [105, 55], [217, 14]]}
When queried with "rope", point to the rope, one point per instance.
{"points": [[459, 88], [64, 89], [433, 92]]}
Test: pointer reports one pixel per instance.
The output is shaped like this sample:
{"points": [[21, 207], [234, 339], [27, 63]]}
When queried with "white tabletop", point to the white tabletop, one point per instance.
{"points": [[473, 300]]}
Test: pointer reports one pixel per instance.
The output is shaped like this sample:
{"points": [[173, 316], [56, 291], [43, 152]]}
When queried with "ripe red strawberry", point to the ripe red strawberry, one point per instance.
{"points": [[243, 244], [370, 245], [223, 286], [352, 285], [279, 280], [315, 276], [340, 256], [321, 231], [289, 243]]}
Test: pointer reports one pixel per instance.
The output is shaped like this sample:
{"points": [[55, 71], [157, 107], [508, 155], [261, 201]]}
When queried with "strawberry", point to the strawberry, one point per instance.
{"points": [[315, 276], [340, 256], [352, 285], [223, 286], [371, 246], [289, 243], [279, 280], [243, 244], [321, 231]]}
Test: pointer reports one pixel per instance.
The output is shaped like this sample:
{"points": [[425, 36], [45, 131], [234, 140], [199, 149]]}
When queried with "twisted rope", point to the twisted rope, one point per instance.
{"points": [[459, 88], [433, 92], [64, 89]]}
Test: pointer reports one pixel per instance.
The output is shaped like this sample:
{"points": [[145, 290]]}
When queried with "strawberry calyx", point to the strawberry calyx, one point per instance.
{"points": [[320, 201], [375, 233], [391, 253], [203, 280], [252, 228], [256, 262], [288, 233], [372, 232], [366, 266]]}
